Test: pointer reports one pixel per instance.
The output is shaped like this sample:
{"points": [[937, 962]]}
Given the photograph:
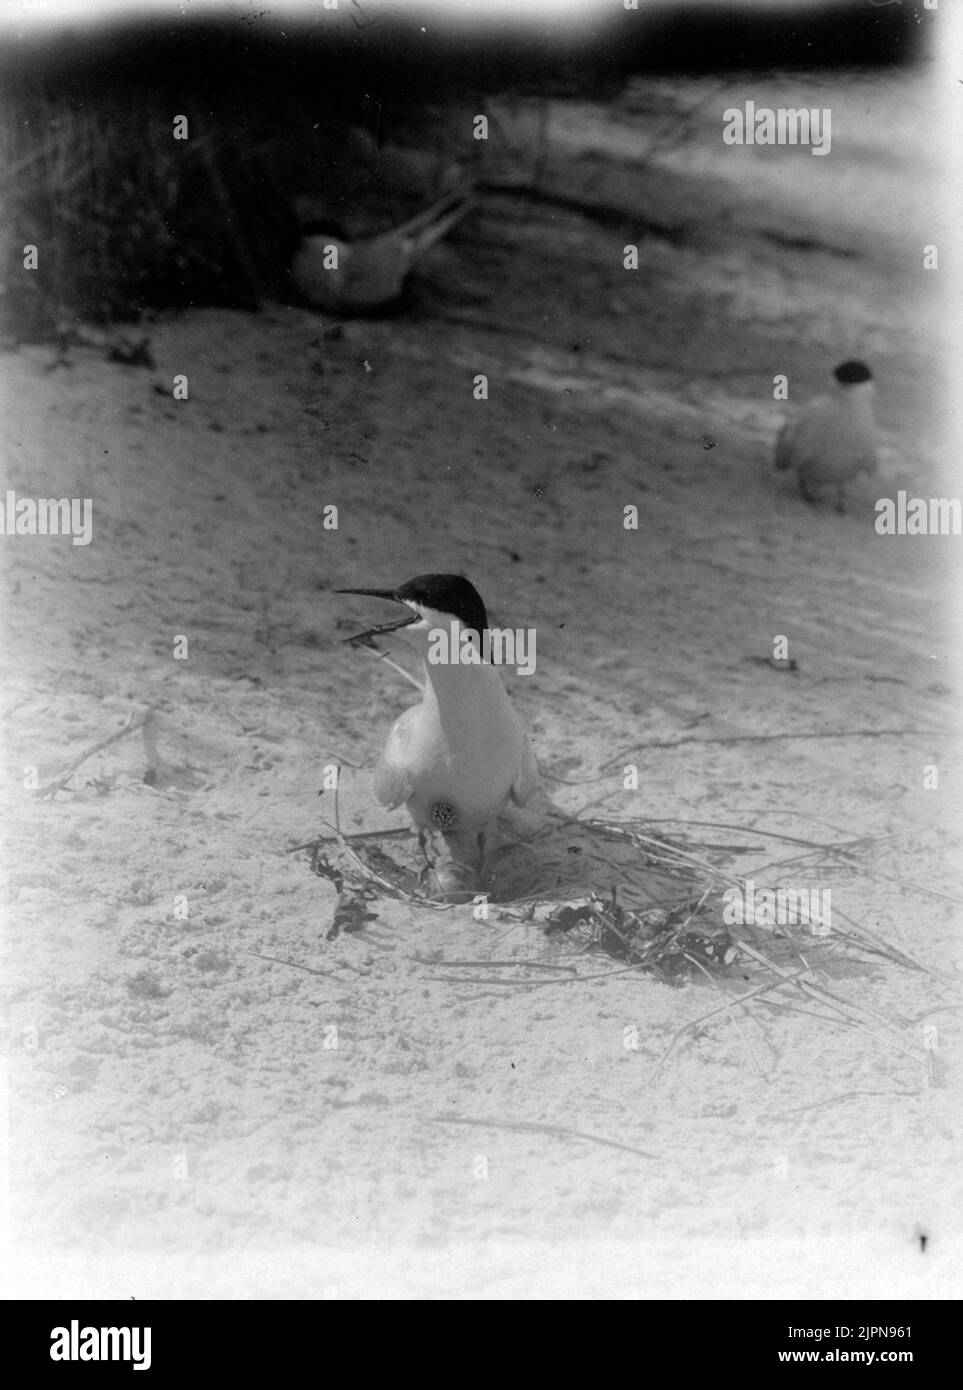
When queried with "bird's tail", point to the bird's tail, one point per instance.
{"points": [[435, 221]]}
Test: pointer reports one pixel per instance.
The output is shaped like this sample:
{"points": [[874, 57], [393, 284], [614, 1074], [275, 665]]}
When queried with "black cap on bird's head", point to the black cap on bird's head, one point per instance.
{"points": [[852, 373], [446, 593], [450, 594]]}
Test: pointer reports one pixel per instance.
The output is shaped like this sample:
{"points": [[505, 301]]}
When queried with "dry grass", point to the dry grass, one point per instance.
{"points": [[126, 218], [664, 919]]}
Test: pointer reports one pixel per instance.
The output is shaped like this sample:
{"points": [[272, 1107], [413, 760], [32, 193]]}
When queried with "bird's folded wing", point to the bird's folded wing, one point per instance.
{"points": [[527, 780], [394, 779]]}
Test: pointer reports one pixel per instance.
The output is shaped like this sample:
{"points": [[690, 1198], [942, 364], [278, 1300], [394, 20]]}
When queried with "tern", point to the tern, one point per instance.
{"points": [[456, 758], [833, 438], [364, 275]]}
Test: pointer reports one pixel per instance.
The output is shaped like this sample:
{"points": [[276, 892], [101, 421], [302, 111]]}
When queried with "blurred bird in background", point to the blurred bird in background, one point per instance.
{"points": [[833, 438], [367, 274]]}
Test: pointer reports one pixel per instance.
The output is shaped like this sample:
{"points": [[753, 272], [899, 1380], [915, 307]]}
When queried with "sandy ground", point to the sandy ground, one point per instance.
{"points": [[220, 1100]]}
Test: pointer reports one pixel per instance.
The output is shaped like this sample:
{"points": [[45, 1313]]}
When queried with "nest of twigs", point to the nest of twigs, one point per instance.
{"points": [[670, 943], [649, 903]]}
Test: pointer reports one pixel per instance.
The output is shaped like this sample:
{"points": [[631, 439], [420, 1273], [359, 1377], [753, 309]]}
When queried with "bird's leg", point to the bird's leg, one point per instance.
{"points": [[428, 867], [453, 877], [464, 848], [449, 878]]}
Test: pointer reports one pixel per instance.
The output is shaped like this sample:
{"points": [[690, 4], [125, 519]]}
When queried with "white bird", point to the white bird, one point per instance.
{"points": [[456, 758], [833, 438], [361, 276]]}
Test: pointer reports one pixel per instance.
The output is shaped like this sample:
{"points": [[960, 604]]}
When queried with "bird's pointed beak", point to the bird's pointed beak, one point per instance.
{"points": [[389, 594]]}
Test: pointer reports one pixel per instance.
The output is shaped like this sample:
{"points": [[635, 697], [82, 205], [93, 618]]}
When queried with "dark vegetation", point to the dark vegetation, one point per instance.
{"points": [[125, 217]]}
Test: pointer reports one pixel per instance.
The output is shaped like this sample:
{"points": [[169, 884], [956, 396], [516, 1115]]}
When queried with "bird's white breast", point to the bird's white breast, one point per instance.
{"points": [[832, 441], [461, 747]]}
